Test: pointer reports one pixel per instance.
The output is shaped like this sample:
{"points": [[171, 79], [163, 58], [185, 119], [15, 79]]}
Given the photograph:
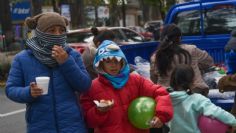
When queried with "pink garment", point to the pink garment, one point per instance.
{"points": [[210, 125]]}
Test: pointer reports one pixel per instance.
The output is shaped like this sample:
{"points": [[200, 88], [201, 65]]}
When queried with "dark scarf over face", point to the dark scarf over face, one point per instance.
{"points": [[42, 44]]}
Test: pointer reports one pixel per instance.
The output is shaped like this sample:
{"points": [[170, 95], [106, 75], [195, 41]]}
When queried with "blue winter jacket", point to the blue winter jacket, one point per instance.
{"points": [[187, 109], [58, 111]]}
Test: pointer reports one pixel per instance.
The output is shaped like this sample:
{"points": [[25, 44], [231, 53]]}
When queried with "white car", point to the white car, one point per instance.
{"points": [[123, 35]]}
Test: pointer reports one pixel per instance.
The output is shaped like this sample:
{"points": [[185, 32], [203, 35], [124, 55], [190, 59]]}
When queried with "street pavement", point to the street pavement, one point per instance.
{"points": [[12, 115]]}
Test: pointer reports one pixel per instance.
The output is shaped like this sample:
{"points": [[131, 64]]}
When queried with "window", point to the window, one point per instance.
{"points": [[118, 35], [83, 37], [220, 19], [188, 22], [132, 36]]}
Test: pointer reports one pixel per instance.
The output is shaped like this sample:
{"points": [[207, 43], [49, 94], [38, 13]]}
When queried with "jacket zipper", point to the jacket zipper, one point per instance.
{"points": [[54, 103], [121, 102]]}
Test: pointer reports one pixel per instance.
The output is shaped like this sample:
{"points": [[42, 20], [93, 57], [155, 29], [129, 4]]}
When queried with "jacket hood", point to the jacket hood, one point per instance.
{"points": [[178, 96], [108, 49]]}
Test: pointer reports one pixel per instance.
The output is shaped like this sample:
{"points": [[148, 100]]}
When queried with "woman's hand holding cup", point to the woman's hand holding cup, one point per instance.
{"points": [[35, 91], [41, 88]]}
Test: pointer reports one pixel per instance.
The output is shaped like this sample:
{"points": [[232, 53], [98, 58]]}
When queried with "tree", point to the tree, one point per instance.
{"points": [[145, 10], [114, 12], [170, 3], [36, 7], [163, 6], [76, 9], [95, 4], [55, 5], [81, 17], [123, 13], [5, 19], [77, 13]]}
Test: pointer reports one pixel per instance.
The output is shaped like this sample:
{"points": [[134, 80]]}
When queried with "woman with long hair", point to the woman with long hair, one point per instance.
{"points": [[171, 53]]}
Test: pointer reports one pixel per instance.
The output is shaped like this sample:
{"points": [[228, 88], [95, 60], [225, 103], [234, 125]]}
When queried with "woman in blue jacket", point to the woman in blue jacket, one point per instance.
{"points": [[47, 54]]}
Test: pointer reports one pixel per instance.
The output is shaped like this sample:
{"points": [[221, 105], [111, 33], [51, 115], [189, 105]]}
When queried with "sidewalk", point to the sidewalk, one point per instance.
{"points": [[7, 57], [5, 63], [2, 84]]}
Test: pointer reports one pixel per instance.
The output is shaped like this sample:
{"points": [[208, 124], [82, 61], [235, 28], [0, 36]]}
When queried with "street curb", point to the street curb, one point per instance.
{"points": [[2, 84]]}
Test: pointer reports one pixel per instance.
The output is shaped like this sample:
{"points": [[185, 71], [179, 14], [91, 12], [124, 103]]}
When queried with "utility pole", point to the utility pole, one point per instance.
{"points": [[96, 15], [5, 21], [36, 7], [123, 13], [55, 6]]}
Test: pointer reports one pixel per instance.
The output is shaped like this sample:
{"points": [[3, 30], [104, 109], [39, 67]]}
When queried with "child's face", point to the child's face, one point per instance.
{"points": [[112, 66]]}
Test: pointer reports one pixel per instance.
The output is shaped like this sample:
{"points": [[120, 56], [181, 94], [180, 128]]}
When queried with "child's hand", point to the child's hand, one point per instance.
{"points": [[35, 91], [233, 77], [156, 122], [232, 130]]}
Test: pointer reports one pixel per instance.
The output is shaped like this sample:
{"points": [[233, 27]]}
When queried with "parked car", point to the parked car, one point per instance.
{"points": [[142, 31], [157, 23], [206, 23], [123, 35]]}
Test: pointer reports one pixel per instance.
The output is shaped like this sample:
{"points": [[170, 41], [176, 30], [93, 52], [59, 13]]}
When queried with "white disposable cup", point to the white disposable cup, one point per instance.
{"points": [[43, 82]]}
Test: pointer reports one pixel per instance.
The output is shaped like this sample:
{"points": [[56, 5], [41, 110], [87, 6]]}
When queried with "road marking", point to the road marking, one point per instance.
{"points": [[12, 113]]}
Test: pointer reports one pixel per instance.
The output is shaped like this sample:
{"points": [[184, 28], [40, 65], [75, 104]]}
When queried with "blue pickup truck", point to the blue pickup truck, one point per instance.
{"points": [[205, 23]]}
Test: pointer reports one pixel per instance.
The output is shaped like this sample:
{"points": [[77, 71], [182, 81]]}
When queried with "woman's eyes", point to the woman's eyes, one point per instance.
{"points": [[51, 30], [62, 31], [56, 31]]}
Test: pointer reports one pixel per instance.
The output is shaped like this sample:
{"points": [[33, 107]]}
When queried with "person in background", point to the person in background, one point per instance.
{"points": [[89, 52], [94, 31], [47, 54], [171, 52], [116, 85], [189, 107], [230, 62]]}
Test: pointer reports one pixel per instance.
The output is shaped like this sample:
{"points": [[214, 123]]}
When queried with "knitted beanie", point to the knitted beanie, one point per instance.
{"points": [[46, 20]]}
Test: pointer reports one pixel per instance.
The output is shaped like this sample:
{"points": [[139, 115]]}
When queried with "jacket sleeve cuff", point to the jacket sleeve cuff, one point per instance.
{"points": [[68, 62], [27, 95]]}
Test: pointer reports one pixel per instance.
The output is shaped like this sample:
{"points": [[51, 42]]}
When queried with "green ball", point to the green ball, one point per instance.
{"points": [[221, 71], [141, 111]]}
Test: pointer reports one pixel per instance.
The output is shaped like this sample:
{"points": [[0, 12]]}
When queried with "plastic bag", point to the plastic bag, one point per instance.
{"points": [[212, 78], [142, 66], [214, 93]]}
